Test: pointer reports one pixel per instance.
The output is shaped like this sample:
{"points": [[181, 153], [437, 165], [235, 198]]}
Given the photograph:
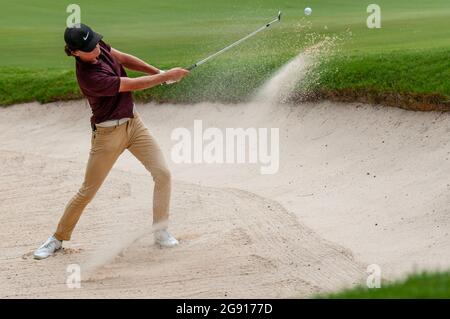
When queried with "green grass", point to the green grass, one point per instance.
{"points": [[403, 72], [409, 53], [422, 285]]}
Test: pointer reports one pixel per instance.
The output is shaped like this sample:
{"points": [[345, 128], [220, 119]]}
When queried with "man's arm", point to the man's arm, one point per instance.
{"points": [[133, 63], [141, 83], [148, 81]]}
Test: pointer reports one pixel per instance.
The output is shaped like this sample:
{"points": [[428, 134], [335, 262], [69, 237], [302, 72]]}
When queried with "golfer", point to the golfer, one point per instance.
{"points": [[116, 126]]}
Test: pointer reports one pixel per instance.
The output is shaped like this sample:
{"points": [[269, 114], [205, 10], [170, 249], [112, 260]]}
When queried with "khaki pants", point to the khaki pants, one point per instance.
{"points": [[107, 143]]}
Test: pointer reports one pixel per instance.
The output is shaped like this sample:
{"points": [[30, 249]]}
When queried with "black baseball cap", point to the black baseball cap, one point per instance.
{"points": [[81, 37]]}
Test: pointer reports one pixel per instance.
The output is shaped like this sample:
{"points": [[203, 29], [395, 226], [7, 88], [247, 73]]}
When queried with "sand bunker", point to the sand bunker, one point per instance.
{"points": [[357, 185]]}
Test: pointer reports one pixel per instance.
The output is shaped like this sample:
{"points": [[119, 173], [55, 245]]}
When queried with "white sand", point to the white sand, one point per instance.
{"points": [[357, 185]]}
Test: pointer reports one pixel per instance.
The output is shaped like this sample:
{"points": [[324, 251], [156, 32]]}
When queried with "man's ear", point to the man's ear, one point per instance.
{"points": [[76, 53]]}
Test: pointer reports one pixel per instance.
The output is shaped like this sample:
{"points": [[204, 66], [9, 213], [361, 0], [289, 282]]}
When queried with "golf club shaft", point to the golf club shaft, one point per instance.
{"points": [[233, 44]]}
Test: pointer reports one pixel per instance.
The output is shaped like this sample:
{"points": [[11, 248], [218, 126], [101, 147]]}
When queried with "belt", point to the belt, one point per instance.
{"points": [[113, 122], [118, 122]]}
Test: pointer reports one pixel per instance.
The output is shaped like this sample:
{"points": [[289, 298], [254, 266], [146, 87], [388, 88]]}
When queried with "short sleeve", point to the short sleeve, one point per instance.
{"points": [[99, 84], [105, 45]]}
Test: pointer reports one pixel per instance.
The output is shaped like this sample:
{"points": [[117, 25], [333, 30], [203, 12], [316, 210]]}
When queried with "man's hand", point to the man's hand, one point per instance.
{"points": [[175, 74]]}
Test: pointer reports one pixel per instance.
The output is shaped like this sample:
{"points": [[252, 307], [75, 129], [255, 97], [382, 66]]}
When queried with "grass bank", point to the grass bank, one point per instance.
{"points": [[434, 285]]}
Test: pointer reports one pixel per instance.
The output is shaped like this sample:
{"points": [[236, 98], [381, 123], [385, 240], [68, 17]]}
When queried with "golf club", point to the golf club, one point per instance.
{"points": [[235, 43]]}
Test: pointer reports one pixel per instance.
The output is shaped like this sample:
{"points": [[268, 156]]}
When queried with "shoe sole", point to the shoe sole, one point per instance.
{"points": [[40, 258], [165, 246]]}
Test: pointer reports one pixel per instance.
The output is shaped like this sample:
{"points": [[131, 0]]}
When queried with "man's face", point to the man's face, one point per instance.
{"points": [[88, 56]]}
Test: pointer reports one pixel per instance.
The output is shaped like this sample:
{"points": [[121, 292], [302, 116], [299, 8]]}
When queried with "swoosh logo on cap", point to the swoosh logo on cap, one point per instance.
{"points": [[85, 38]]}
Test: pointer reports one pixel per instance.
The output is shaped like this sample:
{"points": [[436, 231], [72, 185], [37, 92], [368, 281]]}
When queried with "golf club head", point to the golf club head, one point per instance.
{"points": [[279, 15]]}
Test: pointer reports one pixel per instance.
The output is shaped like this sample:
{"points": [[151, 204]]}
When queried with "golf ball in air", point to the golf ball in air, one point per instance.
{"points": [[308, 11]]}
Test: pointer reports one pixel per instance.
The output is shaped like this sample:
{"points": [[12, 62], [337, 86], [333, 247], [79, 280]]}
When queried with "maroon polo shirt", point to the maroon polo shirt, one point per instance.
{"points": [[100, 82]]}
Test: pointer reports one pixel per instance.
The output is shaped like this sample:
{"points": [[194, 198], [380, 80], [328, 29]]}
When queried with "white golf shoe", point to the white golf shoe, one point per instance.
{"points": [[164, 239], [48, 248]]}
